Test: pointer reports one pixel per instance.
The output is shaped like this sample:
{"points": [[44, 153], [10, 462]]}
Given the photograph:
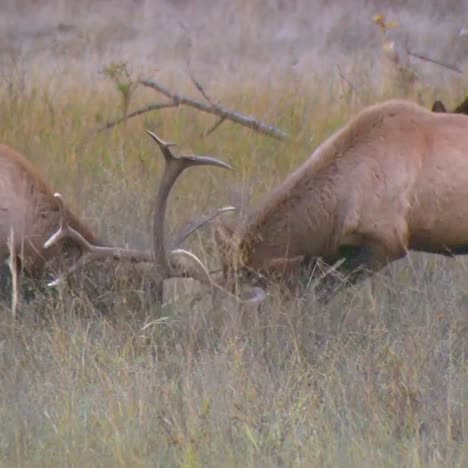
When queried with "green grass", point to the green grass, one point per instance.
{"points": [[376, 378]]}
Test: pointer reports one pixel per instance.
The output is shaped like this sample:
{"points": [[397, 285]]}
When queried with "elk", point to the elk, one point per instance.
{"points": [[393, 179], [30, 214]]}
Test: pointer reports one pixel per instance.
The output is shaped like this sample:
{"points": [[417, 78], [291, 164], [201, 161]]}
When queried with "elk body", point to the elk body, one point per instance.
{"points": [[395, 178]]}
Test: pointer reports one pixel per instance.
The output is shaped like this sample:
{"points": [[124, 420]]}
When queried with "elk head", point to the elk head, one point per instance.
{"points": [[246, 265]]}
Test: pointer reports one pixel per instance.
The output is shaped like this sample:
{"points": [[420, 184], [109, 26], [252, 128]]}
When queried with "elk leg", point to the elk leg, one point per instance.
{"points": [[153, 289], [6, 279], [353, 269], [360, 262]]}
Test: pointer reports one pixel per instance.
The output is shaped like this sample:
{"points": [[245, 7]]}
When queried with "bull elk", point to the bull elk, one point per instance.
{"points": [[393, 179], [30, 213]]}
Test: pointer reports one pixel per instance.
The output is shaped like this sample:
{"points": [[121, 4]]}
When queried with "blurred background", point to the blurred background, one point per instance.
{"points": [[228, 40]]}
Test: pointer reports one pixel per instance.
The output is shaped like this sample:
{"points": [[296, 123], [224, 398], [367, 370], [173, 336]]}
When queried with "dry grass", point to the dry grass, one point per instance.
{"points": [[377, 378]]}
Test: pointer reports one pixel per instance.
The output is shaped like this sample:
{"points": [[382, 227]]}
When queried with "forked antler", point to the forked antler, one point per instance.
{"points": [[193, 226], [90, 251], [169, 264], [173, 168]]}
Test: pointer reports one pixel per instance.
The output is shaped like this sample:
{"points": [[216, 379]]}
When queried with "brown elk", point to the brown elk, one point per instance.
{"points": [[30, 213], [393, 179]]}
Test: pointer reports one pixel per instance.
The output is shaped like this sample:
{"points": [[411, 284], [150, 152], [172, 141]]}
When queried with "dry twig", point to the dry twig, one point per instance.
{"points": [[453, 68], [143, 110], [220, 111], [210, 107]]}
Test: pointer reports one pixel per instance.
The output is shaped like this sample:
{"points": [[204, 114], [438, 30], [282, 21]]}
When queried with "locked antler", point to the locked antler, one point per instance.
{"points": [[176, 263], [90, 251], [173, 168]]}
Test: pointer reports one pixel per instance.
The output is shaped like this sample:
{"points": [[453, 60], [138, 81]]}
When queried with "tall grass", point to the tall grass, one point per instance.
{"points": [[376, 378]]}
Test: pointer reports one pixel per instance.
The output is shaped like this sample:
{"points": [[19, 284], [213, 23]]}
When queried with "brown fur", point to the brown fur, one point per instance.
{"points": [[27, 206], [394, 178]]}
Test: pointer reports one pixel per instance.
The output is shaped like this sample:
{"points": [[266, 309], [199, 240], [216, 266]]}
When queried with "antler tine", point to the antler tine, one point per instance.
{"points": [[90, 251], [164, 146], [64, 230], [185, 160], [198, 223], [173, 168], [202, 274], [79, 263]]}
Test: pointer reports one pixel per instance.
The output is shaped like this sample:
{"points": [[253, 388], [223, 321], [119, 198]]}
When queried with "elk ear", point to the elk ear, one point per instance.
{"points": [[438, 106], [462, 108]]}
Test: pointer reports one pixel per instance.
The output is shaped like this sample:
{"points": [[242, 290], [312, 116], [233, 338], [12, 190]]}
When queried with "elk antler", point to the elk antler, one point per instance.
{"points": [[173, 168], [176, 263], [90, 251], [191, 227], [168, 265]]}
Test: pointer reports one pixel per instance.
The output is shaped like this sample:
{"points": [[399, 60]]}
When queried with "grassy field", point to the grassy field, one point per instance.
{"points": [[377, 378]]}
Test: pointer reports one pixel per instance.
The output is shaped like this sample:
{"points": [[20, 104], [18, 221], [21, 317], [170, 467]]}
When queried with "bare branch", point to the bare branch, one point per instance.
{"points": [[214, 127], [453, 68], [143, 110], [220, 111], [200, 88]]}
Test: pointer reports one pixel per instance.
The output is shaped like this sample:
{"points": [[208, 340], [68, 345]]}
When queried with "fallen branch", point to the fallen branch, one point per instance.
{"points": [[200, 88], [143, 110], [453, 68], [214, 127], [216, 109]]}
